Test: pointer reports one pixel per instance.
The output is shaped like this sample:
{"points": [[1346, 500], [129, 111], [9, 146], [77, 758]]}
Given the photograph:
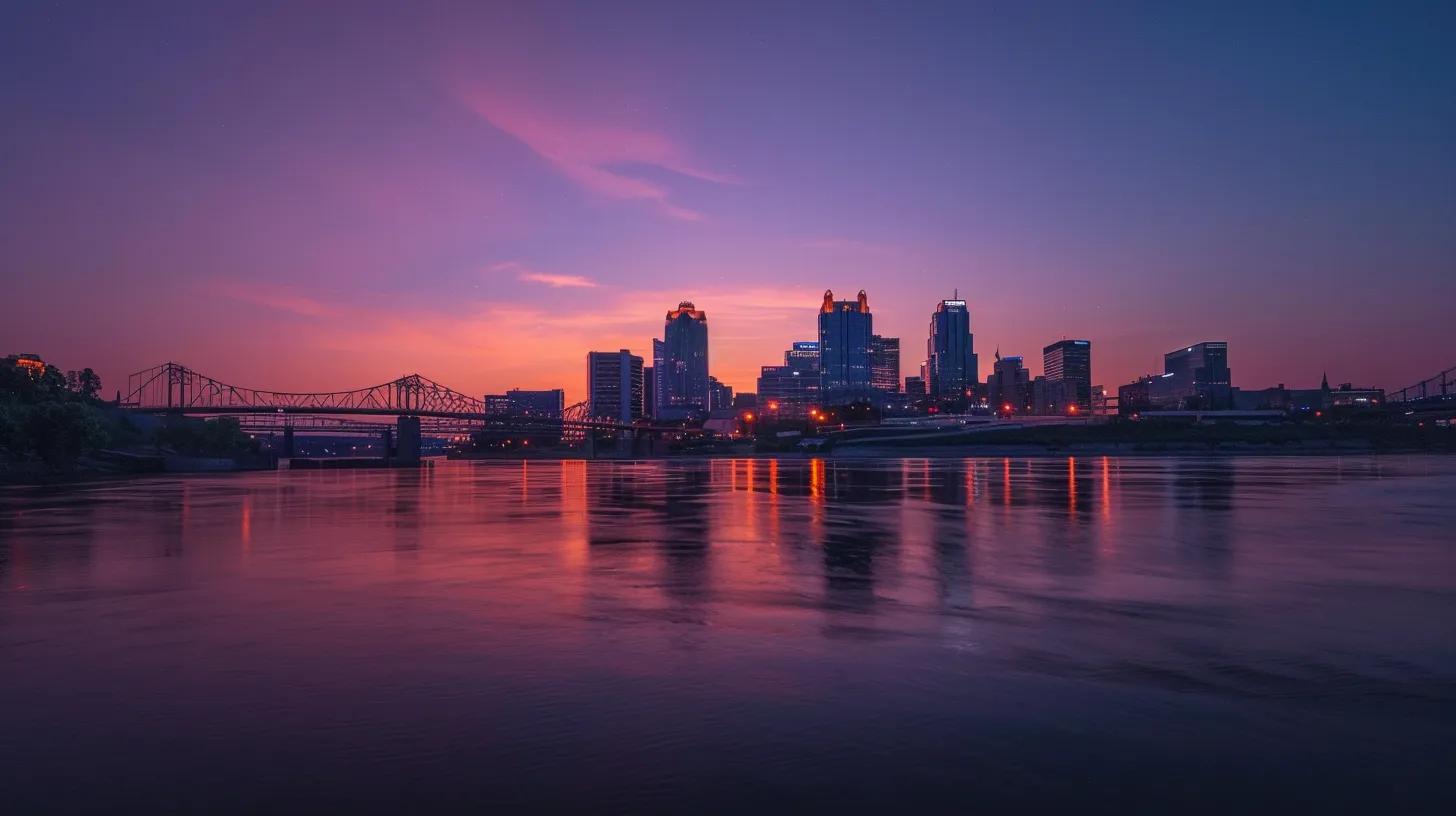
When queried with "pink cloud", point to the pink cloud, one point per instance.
{"points": [[593, 155], [273, 297], [552, 279], [557, 281]]}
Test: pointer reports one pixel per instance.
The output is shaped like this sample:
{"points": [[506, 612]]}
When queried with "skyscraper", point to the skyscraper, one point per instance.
{"points": [[1067, 366], [885, 363], [951, 367], [845, 327], [614, 385], [682, 371]]}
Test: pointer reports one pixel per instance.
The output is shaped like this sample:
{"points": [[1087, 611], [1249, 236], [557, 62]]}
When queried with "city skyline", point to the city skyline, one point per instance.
{"points": [[484, 196]]}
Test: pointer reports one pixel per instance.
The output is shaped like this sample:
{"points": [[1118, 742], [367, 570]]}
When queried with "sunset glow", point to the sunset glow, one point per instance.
{"points": [[483, 196]]}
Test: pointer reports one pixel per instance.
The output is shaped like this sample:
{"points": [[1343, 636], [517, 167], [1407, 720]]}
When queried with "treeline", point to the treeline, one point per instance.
{"points": [[50, 417], [52, 421]]}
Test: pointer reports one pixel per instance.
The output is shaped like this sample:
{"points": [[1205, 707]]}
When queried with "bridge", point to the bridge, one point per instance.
{"points": [[417, 405], [1433, 395]]}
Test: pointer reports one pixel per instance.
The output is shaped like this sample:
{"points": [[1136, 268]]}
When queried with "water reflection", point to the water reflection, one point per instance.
{"points": [[630, 621]]}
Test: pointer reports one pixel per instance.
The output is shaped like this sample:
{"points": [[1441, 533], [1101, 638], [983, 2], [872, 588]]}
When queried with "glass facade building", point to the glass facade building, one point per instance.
{"points": [[951, 368], [845, 328], [680, 364]]}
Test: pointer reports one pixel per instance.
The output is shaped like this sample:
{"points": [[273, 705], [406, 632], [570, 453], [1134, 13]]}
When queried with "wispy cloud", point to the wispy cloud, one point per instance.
{"points": [[551, 279], [558, 281], [282, 300], [595, 156]]}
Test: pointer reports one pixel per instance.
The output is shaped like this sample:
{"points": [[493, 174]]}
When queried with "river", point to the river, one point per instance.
{"points": [[938, 635]]}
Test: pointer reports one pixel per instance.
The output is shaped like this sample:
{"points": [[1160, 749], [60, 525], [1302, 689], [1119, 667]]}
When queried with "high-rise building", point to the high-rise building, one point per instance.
{"points": [[649, 384], [720, 396], [614, 385], [1008, 388], [792, 389], [915, 386], [1067, 366], [885, 363], [845, 327], [682, 371], [950, 351]]}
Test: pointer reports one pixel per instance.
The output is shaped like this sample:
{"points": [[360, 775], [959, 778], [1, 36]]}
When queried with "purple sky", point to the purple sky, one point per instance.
{"points": [[316, 195]]}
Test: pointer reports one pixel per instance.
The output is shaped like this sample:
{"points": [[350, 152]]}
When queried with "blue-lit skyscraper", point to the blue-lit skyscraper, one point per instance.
{"points": [[680, 364], [845, 328], [950, 352]]}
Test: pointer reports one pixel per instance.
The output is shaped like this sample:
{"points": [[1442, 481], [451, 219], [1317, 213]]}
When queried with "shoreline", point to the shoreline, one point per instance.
{"points": [[851, 453]]}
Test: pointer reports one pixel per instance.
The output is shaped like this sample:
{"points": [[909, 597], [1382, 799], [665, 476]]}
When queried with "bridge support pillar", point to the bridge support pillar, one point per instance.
{"points": [[387, 439], [409, 441], [288, 449]]}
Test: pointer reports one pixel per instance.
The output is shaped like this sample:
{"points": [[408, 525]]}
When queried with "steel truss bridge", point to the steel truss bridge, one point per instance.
{"points": [[172, 388], [1434, 390]]}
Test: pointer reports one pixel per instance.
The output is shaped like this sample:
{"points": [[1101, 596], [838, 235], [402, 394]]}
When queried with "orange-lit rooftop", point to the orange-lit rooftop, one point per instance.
{"points": [[686, 307]]}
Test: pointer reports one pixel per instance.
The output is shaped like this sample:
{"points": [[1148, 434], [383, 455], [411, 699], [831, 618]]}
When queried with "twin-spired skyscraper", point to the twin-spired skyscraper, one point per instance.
{"points": [[845, 329]]}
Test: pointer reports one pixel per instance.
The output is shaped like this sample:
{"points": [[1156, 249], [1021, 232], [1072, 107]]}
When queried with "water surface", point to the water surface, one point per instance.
{"points": [[1096, 633]]}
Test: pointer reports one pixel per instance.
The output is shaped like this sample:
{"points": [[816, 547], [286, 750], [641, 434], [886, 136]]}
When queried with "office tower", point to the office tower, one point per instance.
{"points": [[845, 327], [1009, 386], [649, 385], [542, 412], [720, 396], [789, 391], [682, 371], [518, 402], [885, 363], [1194, 377], [951, 366], [1067, 366], [915, 386], [614, 385], [549, 404]]}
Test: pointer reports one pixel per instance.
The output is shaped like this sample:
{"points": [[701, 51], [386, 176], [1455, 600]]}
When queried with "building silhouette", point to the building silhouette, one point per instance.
{"points": [[649, 383], [845, 328], [720, 396], [680, 365], [614, 385], [1067, 367], [789, 391], [885, 364], [951, 369], [1008, 388], [519, 402]]}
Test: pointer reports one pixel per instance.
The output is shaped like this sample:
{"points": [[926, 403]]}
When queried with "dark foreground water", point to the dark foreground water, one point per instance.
{"points": [[1098, 634]]}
